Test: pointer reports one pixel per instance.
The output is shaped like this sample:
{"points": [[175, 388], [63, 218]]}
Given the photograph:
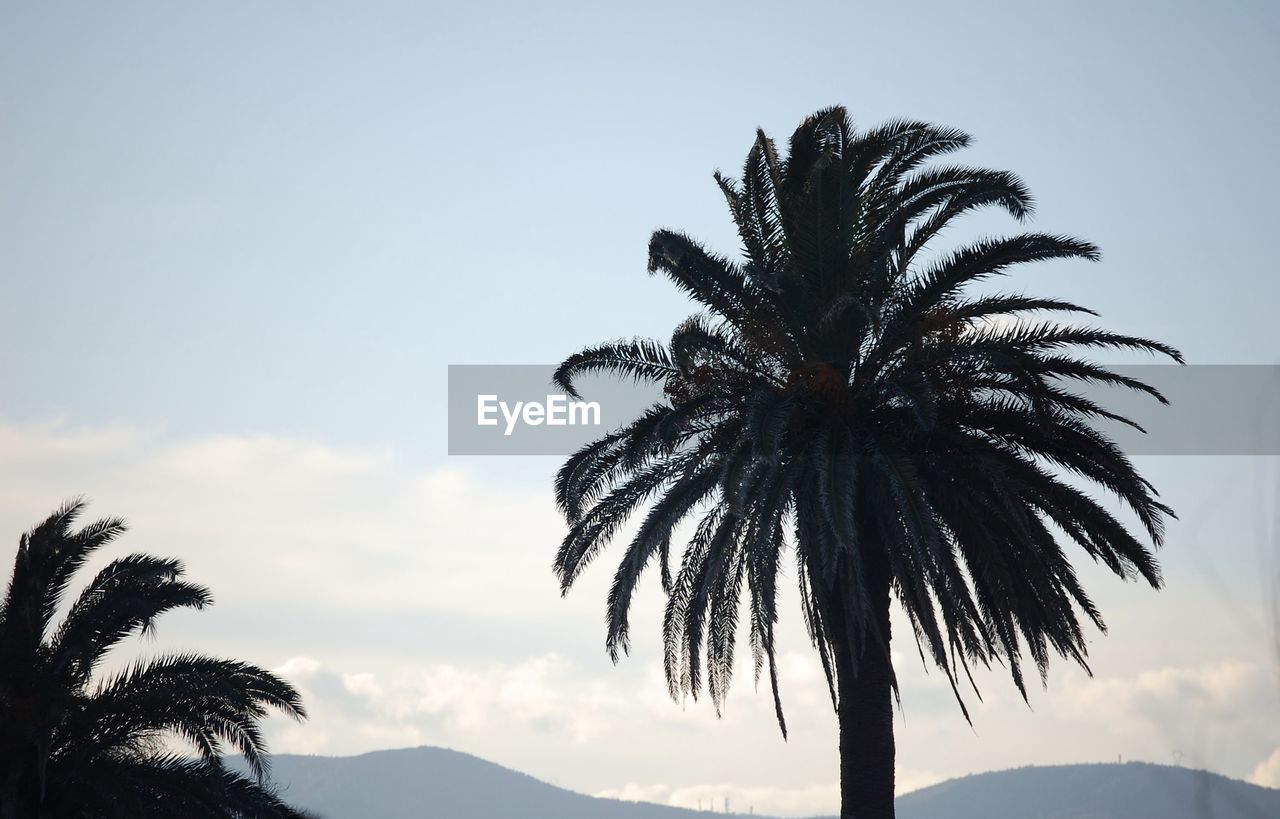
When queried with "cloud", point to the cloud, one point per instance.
{"points": [[269, 520], [546, 696], [804, 801], [1217, 690], [540, 697], [1217, 715], [1267, 774]]}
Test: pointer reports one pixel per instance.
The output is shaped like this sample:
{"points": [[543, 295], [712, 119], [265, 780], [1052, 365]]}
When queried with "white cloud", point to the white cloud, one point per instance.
{"points": [[1191, 710], [56, 441], [803, 801], [1267, 774], [537, 697], [544, 695], [1216, 690], [263, 518]]}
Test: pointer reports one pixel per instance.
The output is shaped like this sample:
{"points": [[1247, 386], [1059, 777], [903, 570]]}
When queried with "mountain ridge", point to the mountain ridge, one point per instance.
{"points": [[442, 783]]}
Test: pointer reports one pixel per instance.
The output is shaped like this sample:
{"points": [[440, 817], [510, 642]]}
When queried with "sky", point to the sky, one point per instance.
{"points": [[241, 243]]}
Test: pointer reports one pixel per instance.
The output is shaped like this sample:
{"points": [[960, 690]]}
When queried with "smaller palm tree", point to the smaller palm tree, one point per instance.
{"points": [[72, 745]]}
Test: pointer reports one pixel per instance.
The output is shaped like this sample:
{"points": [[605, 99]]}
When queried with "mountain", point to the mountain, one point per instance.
{"points": [[1134, 790], [434, 783]]}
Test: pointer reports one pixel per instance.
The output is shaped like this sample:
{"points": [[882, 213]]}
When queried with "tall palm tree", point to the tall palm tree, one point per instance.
{"points": [[72, 745], [846, 394]]}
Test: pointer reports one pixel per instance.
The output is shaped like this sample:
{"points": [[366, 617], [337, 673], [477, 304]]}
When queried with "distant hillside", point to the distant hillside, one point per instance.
{"points": [[1135, 790], [434, 783]]}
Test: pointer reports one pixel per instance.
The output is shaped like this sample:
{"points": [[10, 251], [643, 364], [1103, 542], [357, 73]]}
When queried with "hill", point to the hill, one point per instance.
{"points": [[1134, 790], [441, 784], [435, 783]]}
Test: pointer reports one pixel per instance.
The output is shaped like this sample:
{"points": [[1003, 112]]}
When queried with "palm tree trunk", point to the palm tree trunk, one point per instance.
{"points": [[865, 713], [21, 777], [11, 767]]}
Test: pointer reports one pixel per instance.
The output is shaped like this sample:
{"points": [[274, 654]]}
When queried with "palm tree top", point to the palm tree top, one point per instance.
{"points": [[79, 743], [846, 394]]}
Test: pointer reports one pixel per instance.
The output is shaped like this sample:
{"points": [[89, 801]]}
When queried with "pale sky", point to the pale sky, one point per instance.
{"points": [[241, 242]]}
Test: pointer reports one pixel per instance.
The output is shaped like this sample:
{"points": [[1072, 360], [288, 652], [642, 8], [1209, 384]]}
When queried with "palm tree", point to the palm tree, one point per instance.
{"points": [[75, 746], [846, 394]]}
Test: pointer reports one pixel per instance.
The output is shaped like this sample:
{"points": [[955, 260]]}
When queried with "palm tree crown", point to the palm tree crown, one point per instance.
{"points": [[846, 394], [72, 745]]}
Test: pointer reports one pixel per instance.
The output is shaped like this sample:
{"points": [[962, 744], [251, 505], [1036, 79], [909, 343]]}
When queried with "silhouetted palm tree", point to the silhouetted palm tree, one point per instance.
{"points": [[73, 746], [844, 394]]}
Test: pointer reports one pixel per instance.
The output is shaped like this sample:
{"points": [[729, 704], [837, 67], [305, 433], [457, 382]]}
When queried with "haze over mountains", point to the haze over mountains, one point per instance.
{"points": [[441, 784]]}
